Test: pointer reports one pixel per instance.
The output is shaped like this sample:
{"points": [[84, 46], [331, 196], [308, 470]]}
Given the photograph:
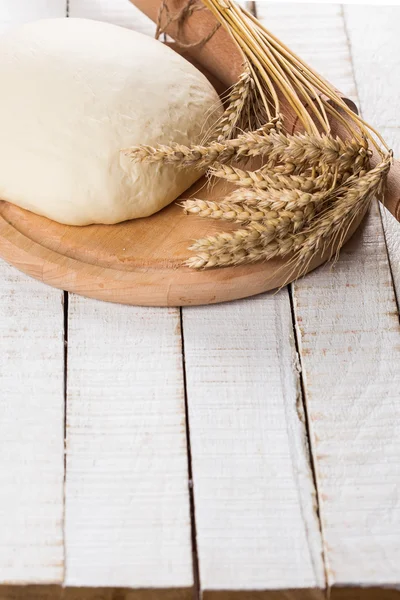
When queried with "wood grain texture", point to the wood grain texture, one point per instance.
{"points": [[391, 226], [126, 431], [350, 347], [299, 594], [375, 48], [253, 488], [142, 262], [51, 592], [31, 404], [316, 33], [59, 593], [127, 509], [336, 593], [348, 332], [138, 262], [31, 430]]}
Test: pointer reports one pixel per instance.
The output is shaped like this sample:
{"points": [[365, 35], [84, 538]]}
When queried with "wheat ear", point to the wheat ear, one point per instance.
{"points": [[244, 214], [330, 227], [350, 201], [232, 119], [264, 179], [306, 150], [246, 145], [270, 199]]}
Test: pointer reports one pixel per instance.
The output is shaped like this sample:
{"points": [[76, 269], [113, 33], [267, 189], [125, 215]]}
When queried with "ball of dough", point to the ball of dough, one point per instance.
{"points": [[74, 93]]}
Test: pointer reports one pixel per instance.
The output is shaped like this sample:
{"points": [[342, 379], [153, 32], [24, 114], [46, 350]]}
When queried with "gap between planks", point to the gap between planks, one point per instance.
{"points": [[66, 316], [206, 318], [252, 7], [348, 331], [373, 42], [387, 223], [195, 554]]}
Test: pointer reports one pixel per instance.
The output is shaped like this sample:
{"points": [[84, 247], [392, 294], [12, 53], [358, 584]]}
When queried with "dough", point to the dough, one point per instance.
{"points": [[74, 93]]}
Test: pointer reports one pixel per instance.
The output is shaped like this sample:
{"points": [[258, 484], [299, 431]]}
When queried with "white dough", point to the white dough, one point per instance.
{"points": [[74, 93]]}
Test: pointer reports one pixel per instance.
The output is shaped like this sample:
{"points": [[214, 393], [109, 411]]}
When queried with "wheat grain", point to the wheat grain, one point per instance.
{"points": [[246, 145], [232, 119], [249, 245], [304, 150], [352, 199], [278, 199], [263, 178], [312, 185], [244, 214], [272, 249]]}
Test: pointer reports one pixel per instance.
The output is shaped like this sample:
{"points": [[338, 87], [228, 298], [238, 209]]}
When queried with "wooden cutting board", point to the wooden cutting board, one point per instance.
{"points": [[138, 262]]}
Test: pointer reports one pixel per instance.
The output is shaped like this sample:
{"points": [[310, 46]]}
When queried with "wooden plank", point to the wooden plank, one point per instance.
{"points": [[48, 592], [127, 509], [253, 487], [350, 343], [317, 34], [127, 500], [31, 404], [375, 51], [391, 226], [254, 495], [375, 48], [118, 12], [348, 331], [31, 430]]}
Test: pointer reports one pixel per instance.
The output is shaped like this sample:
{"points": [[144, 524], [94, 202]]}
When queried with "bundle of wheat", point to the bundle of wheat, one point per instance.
{"points": [[311, 185]]}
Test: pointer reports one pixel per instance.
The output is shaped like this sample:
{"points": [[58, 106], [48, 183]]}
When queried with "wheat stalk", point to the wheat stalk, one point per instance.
{"points": [[233, 118], [293, 152], [311, 186], [246, 246], [354, 198]]}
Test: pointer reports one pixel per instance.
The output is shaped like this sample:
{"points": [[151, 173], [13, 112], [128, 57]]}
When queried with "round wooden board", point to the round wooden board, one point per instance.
{"points": [[139, 262]]}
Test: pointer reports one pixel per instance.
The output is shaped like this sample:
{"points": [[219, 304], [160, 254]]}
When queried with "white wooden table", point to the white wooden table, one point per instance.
{"points": [[230, 450]]}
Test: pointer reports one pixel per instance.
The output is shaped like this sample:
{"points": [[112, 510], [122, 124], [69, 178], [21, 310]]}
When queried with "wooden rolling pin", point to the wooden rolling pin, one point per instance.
{"points": [[221, 57]]}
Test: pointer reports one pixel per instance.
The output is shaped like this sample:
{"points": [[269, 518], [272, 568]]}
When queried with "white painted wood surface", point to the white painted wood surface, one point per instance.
{"points": [[391, 226], [349, 336], [31, 430], [126, 520], [127, 503], [253, 487], [349, 339], [317, 34], [375, 49], [31, 404]]}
